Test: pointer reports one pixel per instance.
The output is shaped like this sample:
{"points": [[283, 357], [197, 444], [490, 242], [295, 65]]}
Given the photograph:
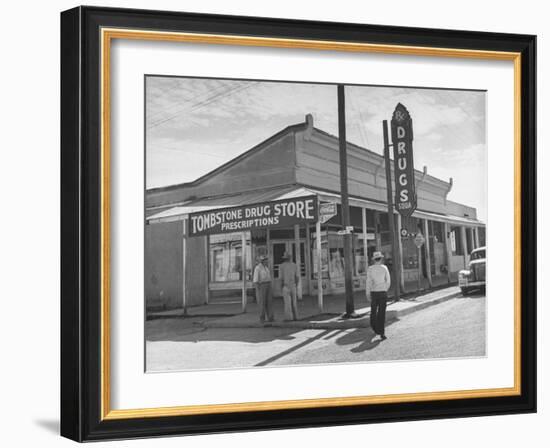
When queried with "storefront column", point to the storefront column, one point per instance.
{"points": [[472, 239], [428, 258], [207, 257], [400, 247], [309, 286], [464, 245], [476, 237], [298, 260], [376, 233], [184, 266], [319, 262], [268, 254], [448, 253], [243, 268], [365, 245]]}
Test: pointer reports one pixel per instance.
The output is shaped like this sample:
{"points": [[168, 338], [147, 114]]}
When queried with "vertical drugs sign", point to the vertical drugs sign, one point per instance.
{"points": [[402, 137]]}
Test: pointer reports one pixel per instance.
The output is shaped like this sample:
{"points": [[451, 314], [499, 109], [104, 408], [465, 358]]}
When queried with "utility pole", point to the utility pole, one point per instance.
{"points": [[348, 242], [394, 234]]}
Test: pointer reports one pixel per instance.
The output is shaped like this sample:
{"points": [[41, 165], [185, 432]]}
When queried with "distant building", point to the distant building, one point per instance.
{"points": [[300, 160]]}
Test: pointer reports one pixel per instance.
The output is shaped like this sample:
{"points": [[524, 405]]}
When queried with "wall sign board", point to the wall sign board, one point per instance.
{"points": [[402, 137]]}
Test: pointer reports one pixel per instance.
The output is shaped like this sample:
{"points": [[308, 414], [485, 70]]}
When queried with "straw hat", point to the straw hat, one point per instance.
{"points": [[286, 256], [377, 255]]}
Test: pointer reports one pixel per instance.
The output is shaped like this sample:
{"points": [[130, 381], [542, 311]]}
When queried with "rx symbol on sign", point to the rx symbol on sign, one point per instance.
{"points": [[399, 115]]}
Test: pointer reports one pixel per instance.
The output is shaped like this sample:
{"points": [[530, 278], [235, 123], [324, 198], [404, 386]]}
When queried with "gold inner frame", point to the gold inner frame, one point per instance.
{"points": [[107, 35]]}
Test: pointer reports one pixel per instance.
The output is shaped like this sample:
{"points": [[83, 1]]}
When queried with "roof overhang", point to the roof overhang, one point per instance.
{"points": [[180, 213]]}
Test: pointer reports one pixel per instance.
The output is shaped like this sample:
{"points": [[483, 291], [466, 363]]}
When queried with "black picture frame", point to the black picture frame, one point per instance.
{"points": [[81, 209]]}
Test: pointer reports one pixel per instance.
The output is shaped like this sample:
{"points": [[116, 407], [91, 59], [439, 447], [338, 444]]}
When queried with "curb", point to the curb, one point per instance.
{"points": [[360, 322]]}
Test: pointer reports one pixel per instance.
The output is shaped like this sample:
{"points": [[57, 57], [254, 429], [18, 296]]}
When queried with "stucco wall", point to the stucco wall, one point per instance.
{"points": [[196, 272], [318, 165], [454, 208], [163, 265]]}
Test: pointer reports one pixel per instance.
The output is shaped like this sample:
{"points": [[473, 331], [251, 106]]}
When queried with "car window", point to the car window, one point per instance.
{"points": [[478, 255]]}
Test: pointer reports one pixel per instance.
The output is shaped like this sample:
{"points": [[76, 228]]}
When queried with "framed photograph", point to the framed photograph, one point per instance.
{"points": [[273, 223]]}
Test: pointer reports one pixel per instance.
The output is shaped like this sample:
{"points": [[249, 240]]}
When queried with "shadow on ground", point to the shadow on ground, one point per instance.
{"points": [[361, 338], [193, 330], [472, 295]]}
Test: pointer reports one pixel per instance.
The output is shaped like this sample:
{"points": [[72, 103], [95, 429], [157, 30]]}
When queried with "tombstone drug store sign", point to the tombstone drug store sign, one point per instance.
{"points": [[280, 213]]}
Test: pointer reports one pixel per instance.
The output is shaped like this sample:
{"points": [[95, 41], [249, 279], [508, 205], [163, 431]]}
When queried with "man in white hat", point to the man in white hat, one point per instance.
{"points": [[288, 273], [378, 283]]}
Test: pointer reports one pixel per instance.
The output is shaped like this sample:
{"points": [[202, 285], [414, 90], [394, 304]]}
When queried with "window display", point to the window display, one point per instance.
{"points": [[226, 258]]}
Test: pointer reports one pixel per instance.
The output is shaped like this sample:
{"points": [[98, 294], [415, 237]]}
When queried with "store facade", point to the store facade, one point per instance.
{"points": [[184, 267]]}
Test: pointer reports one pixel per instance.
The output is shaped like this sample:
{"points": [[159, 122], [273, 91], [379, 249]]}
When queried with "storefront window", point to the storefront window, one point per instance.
{"points": [[410, 251], [384, 229], [469, 240], [324, 256], [456, 241], [438, 253], [336, 253], [333, 248], [481, 236], [336, 264], [437, 231], [226, 258], [361, 263]]}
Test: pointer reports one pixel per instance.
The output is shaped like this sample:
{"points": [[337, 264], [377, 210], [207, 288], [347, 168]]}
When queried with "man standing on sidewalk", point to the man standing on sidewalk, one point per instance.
{"points": [[378, 283], [288, 273], [262, 283]]}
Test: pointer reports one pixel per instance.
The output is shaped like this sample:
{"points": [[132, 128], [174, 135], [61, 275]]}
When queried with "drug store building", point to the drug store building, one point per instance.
{"points": [[191, 260]]}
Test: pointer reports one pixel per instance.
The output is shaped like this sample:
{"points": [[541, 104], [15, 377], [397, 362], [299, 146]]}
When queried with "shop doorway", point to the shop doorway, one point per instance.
{"points": [[278, 248]]}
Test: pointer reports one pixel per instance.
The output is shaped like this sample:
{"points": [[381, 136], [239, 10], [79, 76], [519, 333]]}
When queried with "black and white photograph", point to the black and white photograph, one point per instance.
{"points": [[267, 224], [291, 223]]}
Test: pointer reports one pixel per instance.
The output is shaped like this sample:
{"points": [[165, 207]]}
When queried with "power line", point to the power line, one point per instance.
{"points": [[186, 100], [171, 148], [204, 103], [197, 99], [362, 131]]}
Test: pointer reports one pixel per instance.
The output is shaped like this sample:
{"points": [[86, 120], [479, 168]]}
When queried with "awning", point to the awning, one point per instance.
{"points": [[450, 219], [382, 207], [181, 212]]}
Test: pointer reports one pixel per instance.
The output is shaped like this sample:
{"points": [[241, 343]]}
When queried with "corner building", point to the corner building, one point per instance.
{"points": [[300, 160]]}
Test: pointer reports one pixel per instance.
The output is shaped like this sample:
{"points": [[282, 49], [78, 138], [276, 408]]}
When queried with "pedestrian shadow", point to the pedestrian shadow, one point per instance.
{"points": [[292, 349], [366, 345], [361, 338]]}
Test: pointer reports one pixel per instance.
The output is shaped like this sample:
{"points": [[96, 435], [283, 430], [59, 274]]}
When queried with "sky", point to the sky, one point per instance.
{"points": [[194, 125]]}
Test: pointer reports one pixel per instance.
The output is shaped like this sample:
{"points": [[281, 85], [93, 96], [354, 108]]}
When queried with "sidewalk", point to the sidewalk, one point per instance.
{"points": [[230, 315]]}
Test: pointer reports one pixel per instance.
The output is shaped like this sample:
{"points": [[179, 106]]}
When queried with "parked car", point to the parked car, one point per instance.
{"points": [[474, 277]]}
